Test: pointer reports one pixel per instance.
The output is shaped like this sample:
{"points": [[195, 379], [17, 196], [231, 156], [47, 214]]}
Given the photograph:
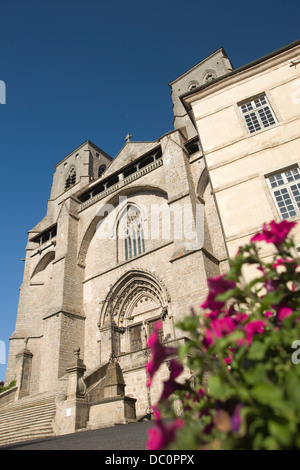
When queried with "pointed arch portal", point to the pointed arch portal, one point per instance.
{"points": [[122, 302]]}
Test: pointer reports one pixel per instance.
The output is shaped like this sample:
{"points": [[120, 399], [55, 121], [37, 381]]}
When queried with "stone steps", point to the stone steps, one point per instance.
{"points": [[27, 419]]}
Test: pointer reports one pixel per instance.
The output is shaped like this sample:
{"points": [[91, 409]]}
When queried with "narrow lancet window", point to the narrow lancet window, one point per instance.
{"points": [[134, 242]]}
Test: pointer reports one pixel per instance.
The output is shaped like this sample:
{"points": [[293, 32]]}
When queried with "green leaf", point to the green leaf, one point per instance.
{"points": [[267, 394], [293, 388], [257, 350], [219, 389], [256, 424], [226, 295], [227, 340], [257, 440], [271, 298], [184, 349], [189, 323], [270, 443], [256, 374], [281, 432]]}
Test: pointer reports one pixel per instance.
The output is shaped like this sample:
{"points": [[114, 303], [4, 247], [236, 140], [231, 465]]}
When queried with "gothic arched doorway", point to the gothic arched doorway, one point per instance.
{"points": [[132, 306]]}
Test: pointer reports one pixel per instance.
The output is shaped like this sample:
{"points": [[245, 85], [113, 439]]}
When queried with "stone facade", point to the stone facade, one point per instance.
{"points": [[132, 240]]}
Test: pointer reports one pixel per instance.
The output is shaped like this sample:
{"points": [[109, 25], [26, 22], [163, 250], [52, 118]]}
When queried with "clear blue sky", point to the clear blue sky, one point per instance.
{"points": [[78, 70]]}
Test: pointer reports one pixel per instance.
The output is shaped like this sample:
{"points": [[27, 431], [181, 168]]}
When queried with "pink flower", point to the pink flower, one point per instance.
{"points": [[256, 326], [268, 314], [213, 314], [275, 233], [171, 385], [158, 351], [228, 360], [161, 435], [284, 312], [222, 326], [217, 285]]}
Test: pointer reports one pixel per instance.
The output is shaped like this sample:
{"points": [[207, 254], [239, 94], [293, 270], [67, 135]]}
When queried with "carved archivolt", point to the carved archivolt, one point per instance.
{"points": [[130, 289]]}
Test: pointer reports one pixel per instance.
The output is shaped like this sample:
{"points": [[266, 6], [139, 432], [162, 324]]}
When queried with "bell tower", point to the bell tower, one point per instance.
{"points": [[82, 166], [209, 69]]}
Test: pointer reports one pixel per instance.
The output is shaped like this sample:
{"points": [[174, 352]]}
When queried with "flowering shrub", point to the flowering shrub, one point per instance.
{"points": [[244, 342]]}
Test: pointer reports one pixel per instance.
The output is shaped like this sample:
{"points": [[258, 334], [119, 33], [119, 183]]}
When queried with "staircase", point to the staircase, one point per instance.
{"points": [[26, 419]]}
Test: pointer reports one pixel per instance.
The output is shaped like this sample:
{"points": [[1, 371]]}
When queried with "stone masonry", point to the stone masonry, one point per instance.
{"points": [[126, 241]]}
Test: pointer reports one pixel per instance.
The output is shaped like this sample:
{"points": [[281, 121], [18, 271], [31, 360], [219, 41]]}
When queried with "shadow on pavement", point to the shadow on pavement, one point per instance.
{"points": [[132, 436]]}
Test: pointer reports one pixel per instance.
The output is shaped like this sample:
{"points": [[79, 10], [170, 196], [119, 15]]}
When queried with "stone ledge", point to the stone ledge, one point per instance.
{"points": [[111, 411]]}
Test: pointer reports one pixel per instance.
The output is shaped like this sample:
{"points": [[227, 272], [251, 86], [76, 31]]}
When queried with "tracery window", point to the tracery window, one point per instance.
{"points": [[134, 241]]}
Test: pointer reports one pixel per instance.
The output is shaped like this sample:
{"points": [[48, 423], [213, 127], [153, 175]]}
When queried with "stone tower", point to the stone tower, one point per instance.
{"points": [[214, 66]]}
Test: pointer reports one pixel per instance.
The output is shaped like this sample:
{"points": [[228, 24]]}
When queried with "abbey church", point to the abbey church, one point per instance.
{"points": [[131, 239]]}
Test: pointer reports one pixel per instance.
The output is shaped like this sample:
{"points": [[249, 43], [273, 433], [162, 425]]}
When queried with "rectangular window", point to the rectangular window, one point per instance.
{"points": [[136, 338], [285, 188], [257, 114]]}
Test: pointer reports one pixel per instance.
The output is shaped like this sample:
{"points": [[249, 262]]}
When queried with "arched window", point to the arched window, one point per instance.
{"points": [[101, 170], [192, 85], [71, 178], [133, 233]]}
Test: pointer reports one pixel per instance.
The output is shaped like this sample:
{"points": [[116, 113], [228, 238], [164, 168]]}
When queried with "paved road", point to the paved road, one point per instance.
{"points": [[131, 436]]}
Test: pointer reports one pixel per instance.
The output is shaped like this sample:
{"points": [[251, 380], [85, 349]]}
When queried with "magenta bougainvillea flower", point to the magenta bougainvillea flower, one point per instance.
{"points": [[252, 328], [158, 352], [161, 435], [275, 233], [217, 285]]}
